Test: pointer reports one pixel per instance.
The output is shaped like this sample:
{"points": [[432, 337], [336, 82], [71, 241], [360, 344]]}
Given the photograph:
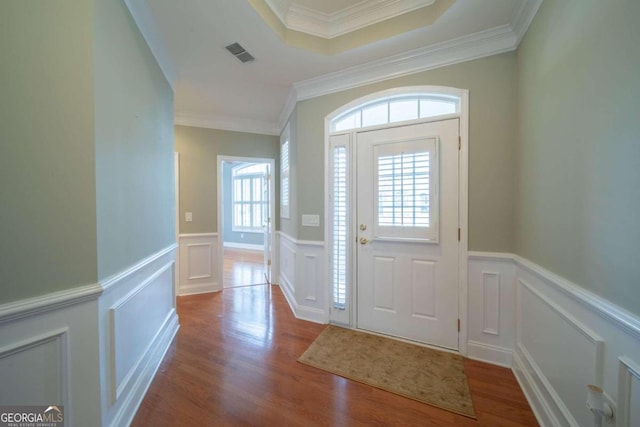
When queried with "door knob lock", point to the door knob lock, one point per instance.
{"points": [[364, 241]]}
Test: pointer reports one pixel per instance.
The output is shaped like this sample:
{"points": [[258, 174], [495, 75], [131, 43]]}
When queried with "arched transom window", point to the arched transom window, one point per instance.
{"points": [[394, 109]]}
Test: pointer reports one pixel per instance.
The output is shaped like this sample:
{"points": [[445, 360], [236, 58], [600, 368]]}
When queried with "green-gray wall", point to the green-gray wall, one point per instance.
{"points": [[492, 94], [199, 149], [47, 174], [86, 151], [578, 192], [134, 144]]}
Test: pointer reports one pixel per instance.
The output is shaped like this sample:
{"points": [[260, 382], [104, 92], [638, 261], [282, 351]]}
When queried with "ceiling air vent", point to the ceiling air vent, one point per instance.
{"points": [[239, 52]]}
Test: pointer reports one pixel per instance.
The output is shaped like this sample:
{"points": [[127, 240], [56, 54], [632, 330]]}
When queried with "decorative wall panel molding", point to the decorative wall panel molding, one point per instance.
{"points": [[137, 322], [556, 334], [198, 258], [36, 370], [491, 302], [491, 308], [301, 277], [49, 353]]}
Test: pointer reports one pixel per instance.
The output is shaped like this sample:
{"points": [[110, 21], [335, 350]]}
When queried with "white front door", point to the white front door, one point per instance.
{"points": [[407, 232]]}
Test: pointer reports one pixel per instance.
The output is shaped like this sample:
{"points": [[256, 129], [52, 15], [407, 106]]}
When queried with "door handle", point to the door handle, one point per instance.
{"points": [[364, 241]]}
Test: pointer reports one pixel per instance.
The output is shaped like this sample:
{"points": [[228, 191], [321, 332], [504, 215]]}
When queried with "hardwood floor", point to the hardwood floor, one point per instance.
{"points": [[233, 363], [243, 268]]}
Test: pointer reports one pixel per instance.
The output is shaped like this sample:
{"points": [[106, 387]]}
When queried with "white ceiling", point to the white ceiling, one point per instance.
{"points": [[214, 89]]}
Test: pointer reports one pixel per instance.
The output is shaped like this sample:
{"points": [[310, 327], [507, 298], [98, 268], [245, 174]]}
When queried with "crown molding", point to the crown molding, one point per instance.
{"points": [[360, 15], [485, 43], [479, 45], [151, 35], [288, 108], [279, 8], [523, 17], [236, 124]]}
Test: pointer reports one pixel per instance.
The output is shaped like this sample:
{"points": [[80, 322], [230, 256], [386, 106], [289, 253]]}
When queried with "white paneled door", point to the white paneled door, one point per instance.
{"points": [[407, 232]]}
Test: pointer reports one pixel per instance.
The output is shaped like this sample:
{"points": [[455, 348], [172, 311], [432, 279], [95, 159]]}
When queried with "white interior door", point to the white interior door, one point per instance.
{"points": [[407, 232]]}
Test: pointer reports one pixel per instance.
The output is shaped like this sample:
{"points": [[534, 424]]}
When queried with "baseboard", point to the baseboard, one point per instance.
{"points": [[199, 288], [147, 371], [494, 355], [533, 393]]}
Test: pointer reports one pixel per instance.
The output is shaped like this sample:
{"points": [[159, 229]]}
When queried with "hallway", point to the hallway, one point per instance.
{"points": [[233, 363]]}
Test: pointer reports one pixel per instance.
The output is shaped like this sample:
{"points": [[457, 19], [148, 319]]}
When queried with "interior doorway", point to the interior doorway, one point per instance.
{"points": [[245, 212]]}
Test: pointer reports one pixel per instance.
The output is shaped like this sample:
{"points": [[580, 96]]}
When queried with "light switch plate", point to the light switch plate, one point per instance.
{"points": [[311, 220], [188, 216]]}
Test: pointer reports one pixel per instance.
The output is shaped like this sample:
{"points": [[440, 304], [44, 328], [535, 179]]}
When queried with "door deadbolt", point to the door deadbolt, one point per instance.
{"points": [[363, 227]]}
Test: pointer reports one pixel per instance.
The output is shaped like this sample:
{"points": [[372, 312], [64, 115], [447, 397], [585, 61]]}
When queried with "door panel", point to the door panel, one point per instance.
{"points": [[407, 239], [423, 288], [383, 283]]}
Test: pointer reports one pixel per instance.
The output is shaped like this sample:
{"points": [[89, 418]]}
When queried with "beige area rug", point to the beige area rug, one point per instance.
{"points": [[430, 376]]}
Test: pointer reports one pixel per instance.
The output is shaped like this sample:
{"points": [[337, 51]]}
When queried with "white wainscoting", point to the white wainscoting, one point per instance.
{"points": [[138, 321], [628, 393], [198, 258], [558, 336], [49, 353], [491, 309], [301, 277]]}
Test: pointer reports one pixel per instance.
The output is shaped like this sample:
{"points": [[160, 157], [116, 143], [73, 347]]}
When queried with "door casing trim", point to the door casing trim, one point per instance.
{"points": [[220, 211], [463, 189]]}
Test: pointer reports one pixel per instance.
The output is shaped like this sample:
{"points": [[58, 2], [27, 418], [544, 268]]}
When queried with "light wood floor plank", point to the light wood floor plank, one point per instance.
{"points": [[242, 268]]}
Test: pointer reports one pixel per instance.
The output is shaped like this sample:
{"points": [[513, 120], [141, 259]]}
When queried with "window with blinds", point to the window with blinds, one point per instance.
{"points": [[285, 181], [339, 227], [249, 204], [406, 190], [403, 190]]}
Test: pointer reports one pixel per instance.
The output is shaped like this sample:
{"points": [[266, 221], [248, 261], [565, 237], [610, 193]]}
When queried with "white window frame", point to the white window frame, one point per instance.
{"points": [[256, 227], [340, 309], [429, 233], [385, 104], [285, 173]]}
